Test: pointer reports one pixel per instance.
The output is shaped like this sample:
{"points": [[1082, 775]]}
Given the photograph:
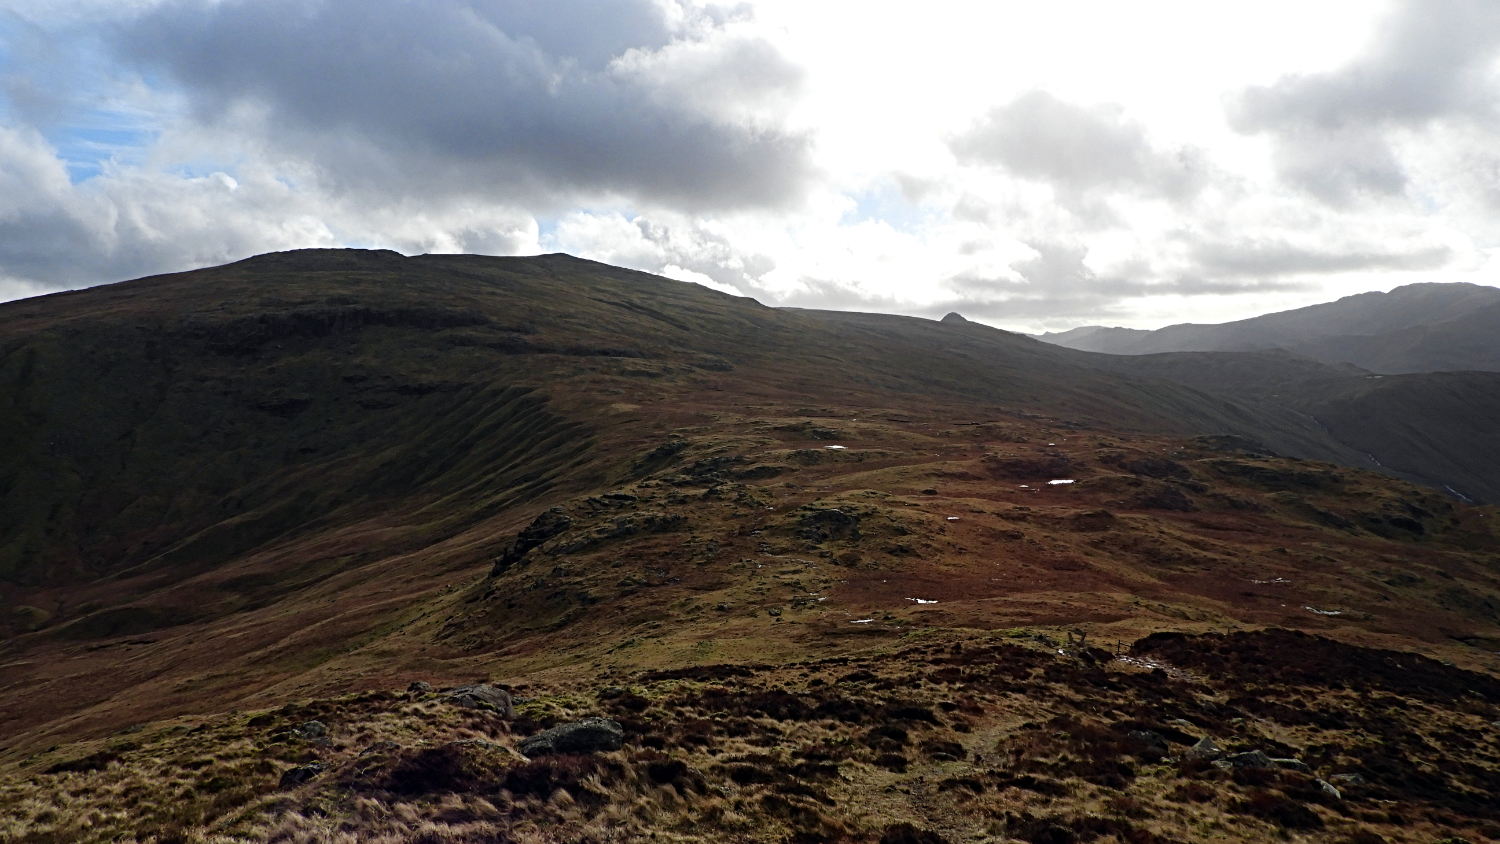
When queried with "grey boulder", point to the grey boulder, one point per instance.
{"points": [[1348, 779], [294, 777], [1250, 759], [1291, 765], [1205, 749], [482, 696], [591, 735], [1148, 738]]}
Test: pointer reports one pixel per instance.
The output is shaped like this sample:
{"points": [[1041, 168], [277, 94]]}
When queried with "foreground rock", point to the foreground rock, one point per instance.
{"points": [[591, 735], [294, 777], [1251, 759], [1205, 749], [484, 697]]}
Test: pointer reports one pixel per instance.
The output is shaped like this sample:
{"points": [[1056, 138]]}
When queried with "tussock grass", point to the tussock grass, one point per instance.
{"points": [[998, 738]]}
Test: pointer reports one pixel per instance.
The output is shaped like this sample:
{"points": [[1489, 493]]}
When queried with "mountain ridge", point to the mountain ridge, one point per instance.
{"points": [[1415, 328]]}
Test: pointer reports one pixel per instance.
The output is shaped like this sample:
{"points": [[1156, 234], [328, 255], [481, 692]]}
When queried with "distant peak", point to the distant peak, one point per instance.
{"points": [[954, 317]]}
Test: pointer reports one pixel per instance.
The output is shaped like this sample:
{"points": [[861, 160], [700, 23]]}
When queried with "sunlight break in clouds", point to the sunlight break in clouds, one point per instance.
{"points": [[1029, 165]]}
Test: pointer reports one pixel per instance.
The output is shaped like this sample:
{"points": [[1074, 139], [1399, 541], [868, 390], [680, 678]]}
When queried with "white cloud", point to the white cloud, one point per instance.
{"points": [[1027, 164], [1078, 149]]}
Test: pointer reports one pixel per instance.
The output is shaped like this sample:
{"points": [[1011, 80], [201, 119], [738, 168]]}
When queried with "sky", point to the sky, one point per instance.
{"points": [[1033, 166]]}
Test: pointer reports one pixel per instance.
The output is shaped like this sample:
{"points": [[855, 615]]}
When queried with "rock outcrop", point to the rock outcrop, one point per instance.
{"points": [[591, 735]]}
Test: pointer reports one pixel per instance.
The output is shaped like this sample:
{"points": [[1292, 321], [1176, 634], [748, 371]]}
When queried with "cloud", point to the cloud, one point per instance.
{"points": [[133, 221], [1056, 282], [1275, 257], [1077, 150], [499, 98], [670, 244], [1431, 61], [58, 235]]}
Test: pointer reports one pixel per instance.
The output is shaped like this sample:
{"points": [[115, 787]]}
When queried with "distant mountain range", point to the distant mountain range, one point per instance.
{"points": [[1416, 328]]}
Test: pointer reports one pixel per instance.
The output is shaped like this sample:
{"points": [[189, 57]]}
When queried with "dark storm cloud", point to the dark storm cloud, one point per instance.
{"points": [[1432, 60], [1076, 149], [508, 99]]}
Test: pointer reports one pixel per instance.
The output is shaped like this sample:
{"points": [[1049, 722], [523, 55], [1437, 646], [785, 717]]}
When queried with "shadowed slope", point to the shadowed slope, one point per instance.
{"points": [[1434, 428], [1416, 328]]}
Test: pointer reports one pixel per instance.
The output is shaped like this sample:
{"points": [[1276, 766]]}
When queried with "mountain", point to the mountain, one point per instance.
{"points": [[1416, 328], [834, 577], [1434, 428]]}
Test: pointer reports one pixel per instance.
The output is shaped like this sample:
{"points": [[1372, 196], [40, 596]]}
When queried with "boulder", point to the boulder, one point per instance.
{"points": [[1348, 779], [1330, 789], [313, 730], [1205, 749], [294, 777], [1147, 738], [591, 735], [1291, 765], [1250, 759], [481, 696], [418, 687]]}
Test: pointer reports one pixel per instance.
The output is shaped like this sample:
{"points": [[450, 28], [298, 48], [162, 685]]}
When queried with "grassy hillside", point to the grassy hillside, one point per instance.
{"points": [[814, 564]]}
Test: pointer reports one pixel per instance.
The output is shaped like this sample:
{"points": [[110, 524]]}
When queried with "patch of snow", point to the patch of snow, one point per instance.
{"points": [[862, 621], [1272, 580], [836, 447], [920, 601], [1323, 612], [1055, 483], [952, 518], [1023, 486]]}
